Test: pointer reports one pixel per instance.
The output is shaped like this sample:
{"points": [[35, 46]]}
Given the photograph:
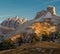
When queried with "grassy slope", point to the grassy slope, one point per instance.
{"points": [[33, 48]]}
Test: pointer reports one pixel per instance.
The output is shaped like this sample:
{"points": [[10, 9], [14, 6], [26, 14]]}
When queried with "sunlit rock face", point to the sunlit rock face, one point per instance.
{"points": [[52, 10], [41, 28], [13, 22]]}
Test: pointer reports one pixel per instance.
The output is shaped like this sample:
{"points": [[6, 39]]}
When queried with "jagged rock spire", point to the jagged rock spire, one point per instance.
{"points": [[51, 9], [16, 18]]}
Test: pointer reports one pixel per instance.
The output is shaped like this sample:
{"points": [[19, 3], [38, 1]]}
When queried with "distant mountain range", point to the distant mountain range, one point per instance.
{"points": [[44, 21], [13, 22]]}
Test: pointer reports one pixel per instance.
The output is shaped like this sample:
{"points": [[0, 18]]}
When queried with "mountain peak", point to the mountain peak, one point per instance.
{"points": [[51, 9], [16, 18]]}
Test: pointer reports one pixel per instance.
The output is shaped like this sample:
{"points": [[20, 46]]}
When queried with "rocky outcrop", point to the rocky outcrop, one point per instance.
{"points": [[52, 10], [44, 12], [39, 14]]}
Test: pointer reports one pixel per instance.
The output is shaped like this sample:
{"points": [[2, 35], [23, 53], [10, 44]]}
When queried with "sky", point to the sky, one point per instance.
{"points": [[25, 8]]}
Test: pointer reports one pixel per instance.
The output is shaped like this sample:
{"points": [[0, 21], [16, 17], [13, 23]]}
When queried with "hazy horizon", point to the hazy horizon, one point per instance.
{"points": [[25, 8]]}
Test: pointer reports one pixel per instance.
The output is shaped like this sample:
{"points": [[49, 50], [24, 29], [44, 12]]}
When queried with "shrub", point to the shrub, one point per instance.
{"points": [[6, 45]]}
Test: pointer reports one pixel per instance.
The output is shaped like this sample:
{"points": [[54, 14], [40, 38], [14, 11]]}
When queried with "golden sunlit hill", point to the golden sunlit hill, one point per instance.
{"points": [[35, 48]]}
